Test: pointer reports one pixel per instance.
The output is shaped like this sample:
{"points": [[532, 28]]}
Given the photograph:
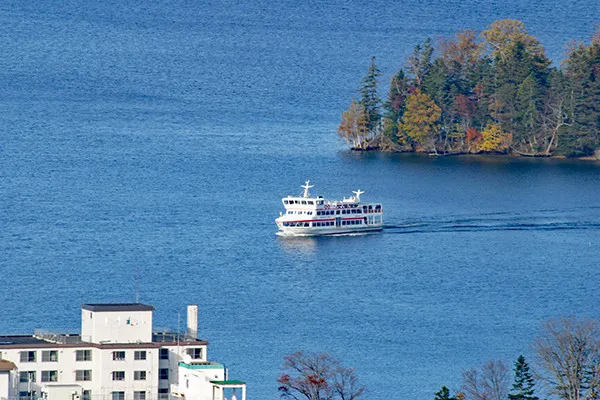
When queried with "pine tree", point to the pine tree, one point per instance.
{"points": [[443, 394], [524, 386], [419, 63], [395, 106], [370, 100]]}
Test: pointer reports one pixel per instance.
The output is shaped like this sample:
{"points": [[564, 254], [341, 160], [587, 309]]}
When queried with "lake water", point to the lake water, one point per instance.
{"points": [[156, 139]]}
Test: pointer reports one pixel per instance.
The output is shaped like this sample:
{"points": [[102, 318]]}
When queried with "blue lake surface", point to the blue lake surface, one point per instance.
{"points": [[156, 139]]}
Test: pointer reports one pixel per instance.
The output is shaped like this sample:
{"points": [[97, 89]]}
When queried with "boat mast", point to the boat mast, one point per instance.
{"points": [[358, 193], [306, 186]]}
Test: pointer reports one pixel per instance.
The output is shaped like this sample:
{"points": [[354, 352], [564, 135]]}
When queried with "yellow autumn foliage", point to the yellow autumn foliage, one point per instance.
{"points": [[420, 118], [494, 139]]}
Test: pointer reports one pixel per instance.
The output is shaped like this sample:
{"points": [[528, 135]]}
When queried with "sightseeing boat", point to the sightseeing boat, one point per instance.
{"points": [[313, 216]]}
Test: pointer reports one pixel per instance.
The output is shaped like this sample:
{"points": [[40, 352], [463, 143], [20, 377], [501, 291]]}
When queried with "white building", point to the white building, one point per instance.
{"points": [[116, 357]]}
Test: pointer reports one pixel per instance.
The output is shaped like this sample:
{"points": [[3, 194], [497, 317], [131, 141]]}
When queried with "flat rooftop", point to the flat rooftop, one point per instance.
{"points": [[48, 339], [113, 307], [10, 340]]}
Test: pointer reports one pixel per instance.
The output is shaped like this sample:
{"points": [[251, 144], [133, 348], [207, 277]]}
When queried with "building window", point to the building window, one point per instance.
{"points": [[139, 395], [140, 355], [118, 395], [196, 353], [83, 355], [87, 395], [28, 356], [49, 356], [27, 395], [27, 376], [139, 375], [118, 355], [163, 394], [49, 376], [163, 373], [164, 354], [118, 375], [83, 375]]}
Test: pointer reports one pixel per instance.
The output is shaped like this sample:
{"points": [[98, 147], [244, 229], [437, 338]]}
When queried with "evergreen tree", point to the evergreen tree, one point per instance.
{"points": [[444, 394], [395, 105], [443, 89], [370, 100], [583, 80], [524, 386], [419, 63]]}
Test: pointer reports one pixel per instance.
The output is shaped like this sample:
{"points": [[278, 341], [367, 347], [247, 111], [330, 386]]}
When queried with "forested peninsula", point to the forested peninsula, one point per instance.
{"points": [[493, 92]]}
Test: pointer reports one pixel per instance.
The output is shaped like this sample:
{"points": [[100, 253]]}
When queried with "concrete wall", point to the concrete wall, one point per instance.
{"points": [[116, 327], [7, 389]]}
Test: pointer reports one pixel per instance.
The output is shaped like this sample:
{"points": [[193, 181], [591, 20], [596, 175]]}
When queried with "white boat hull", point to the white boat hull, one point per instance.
{"points": [[324, 232]]}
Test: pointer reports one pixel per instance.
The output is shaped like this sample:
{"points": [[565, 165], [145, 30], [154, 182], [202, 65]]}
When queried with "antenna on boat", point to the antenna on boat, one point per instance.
{"points": [[307, 186], [358, 193]]}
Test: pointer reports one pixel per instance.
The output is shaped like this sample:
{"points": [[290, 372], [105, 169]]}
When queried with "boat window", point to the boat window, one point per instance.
{"points": [[306, 224], [303, 201], [285, 202], [311, 202]]}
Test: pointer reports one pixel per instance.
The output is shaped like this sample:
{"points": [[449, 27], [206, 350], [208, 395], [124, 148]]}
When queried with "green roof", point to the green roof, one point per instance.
{"points": [[223, 383], [201, 366]]}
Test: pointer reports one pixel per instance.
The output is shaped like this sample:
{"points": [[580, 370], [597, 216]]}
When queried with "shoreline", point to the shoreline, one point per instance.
{"points": [[513, 155]]}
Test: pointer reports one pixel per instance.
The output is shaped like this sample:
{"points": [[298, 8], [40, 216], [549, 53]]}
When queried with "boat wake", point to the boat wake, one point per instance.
{"points": [[537, 221]]}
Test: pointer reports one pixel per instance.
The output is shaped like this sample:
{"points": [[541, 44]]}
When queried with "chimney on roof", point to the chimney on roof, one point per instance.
{"points": [[192, 321]]}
